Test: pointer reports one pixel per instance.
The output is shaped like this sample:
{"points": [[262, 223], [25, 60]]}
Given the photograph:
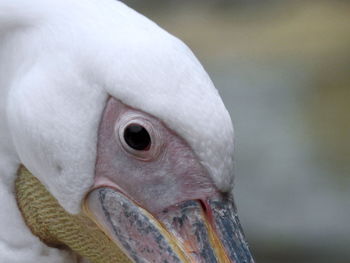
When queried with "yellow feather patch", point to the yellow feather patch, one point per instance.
{"points": [[57, 228]]}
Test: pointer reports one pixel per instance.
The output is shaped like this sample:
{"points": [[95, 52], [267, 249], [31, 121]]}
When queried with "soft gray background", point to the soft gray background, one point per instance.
{"points": [[283, 70]]}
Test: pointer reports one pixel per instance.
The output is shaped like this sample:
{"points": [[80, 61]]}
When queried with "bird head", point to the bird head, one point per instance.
{"points": [[120, 123]]}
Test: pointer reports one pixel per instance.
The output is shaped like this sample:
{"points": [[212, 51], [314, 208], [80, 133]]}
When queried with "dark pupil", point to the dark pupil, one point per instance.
{"points": [[137, 137]]}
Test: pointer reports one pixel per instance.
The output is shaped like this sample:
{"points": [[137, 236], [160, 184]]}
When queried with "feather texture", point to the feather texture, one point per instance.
{"points": [[59, 61]]}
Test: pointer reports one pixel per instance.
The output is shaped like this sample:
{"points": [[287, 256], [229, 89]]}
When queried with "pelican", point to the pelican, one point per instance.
{"points": [[115, 145]]}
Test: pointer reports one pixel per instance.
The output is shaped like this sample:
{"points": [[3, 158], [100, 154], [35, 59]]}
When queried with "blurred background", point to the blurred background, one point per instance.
{"points": [[283, 70]]}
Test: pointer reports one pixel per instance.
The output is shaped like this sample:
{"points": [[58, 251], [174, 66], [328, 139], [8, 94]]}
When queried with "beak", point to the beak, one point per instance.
{"points": [[191, 231]]}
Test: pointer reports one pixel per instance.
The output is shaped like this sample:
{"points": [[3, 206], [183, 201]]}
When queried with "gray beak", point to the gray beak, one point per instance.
{"points": [[192, 231]]}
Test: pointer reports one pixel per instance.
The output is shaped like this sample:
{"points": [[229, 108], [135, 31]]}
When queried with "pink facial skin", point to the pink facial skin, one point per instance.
{"points": [[165, 175], [140, 195]]}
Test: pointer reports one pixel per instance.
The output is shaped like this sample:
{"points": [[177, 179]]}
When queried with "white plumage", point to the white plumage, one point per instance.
{"points": [[59, 61]]}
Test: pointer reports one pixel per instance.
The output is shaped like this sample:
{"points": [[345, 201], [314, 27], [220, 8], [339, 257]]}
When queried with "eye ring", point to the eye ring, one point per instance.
{"points": [[152, 150]]}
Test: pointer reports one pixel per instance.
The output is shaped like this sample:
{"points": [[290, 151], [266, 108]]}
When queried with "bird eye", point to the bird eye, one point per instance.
{"points": [[137, 137]]}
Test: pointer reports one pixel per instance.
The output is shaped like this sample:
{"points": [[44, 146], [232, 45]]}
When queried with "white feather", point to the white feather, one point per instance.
{"points": [[59, 60]]}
